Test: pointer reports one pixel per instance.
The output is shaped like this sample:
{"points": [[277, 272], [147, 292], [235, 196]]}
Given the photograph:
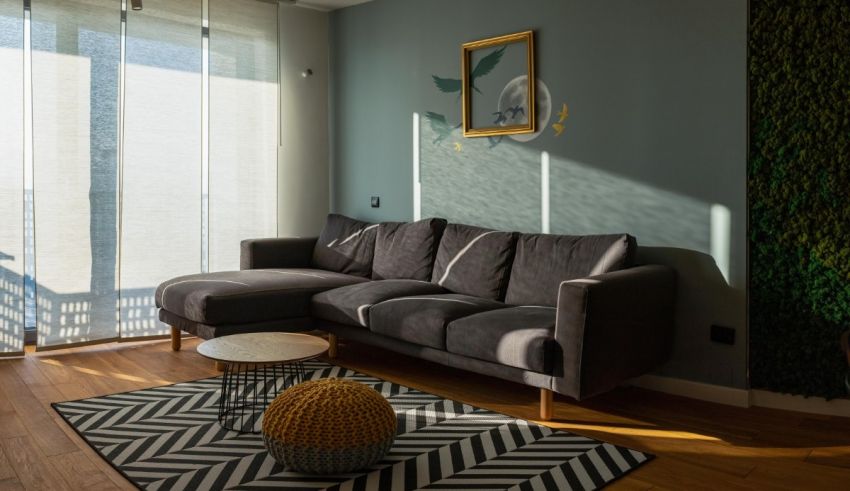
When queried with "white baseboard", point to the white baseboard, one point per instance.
{"points": [[695, 390], [815, 405], [742, 397]]}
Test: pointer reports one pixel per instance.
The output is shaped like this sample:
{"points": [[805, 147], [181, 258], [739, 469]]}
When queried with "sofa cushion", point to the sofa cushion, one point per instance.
{"points": [[407, 250], [254, 295], [350, 304], [521, 337], [346, 246], [422, 319], [474, 261], [543, 261]]}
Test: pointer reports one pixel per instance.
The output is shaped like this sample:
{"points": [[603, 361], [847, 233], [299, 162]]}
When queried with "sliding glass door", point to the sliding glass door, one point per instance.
{"points": [[243, 127], [75, 57], [11, 177], [135, 146], [161, 209]]}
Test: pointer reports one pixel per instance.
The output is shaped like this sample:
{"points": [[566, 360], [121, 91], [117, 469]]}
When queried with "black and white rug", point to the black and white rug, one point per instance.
{"points": [[169, 438]]}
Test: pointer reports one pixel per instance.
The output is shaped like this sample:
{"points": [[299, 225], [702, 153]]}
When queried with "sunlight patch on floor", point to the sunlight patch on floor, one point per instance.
{"points": [[641, 432], [100, 373]]}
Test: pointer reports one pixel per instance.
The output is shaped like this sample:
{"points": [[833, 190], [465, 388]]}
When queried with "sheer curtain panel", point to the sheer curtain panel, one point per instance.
{"points": [[11, 177], [161, 178], [243, 104], [75, 60], [136, 146]]}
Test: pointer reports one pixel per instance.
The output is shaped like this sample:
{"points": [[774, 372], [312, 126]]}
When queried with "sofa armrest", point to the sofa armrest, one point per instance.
{"points": [[613, 327], [284, 252]]}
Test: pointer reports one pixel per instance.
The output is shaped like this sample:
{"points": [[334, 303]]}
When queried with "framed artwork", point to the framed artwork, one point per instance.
{"points": [[498, 85]]}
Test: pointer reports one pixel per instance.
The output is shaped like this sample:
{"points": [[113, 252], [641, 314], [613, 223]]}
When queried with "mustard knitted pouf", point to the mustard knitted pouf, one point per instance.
{"points": [[329, 426]]}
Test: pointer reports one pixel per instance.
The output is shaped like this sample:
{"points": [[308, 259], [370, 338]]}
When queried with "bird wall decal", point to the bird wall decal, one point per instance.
{"points": [[440, 126], [483, 67], [500, 117], [515, 110], [563, 113], [458, 146], [558, 127]]}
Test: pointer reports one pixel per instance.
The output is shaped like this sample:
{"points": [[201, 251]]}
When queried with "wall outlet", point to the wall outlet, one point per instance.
{"points": [[376, 201], [723, 334]]}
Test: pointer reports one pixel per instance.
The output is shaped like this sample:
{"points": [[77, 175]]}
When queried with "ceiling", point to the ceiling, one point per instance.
{"points": [[329, 4]]}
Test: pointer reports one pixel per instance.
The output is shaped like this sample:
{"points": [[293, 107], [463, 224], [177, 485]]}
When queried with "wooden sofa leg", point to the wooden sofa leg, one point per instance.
{"points": [[332, 345], [175, 338], [546, 401], [219, 366]]}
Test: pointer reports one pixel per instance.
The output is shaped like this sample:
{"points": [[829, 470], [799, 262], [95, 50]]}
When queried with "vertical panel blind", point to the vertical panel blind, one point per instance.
{"points": [[117, 134], [243, 126], [75, 55], [11, 177], [161, 217]]}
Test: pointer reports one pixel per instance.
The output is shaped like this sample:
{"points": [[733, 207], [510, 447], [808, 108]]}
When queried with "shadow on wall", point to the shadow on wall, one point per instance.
{"points": [[703, 298], [515, 187]]}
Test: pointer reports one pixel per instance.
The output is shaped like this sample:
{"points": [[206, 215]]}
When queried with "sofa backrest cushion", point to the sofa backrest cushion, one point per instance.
{"points": [[346, 246], [474, 261], [543, 261], [406, 251]]}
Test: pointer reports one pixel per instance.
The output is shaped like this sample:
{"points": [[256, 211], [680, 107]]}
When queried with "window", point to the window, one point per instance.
{"points": [[75, 57], [150, 151], [12, 261], [161, 226]]}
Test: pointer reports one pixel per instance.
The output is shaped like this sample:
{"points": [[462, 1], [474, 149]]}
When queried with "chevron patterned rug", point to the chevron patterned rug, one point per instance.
{"points": [[169, 438]]}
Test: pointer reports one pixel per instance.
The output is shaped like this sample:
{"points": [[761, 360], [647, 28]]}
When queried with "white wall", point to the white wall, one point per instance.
{"points": [[303, 183]]}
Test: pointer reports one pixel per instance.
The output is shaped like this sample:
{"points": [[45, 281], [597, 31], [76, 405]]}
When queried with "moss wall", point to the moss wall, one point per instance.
{"points": [[799, 194]]}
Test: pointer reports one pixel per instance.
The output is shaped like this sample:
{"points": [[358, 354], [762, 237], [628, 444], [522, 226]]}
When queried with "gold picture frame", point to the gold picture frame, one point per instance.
{"points": [[468, 78]]}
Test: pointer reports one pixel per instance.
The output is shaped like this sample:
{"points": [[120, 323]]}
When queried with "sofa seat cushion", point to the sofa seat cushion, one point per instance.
{"points": [[543, 261], [474, 261], [422, 319], [351, 304], [254, 295], [521, 337]]}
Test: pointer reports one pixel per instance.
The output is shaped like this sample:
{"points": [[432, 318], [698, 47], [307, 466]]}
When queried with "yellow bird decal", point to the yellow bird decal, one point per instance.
{"points": [[558, 127], [563, 113], [458, 146]]}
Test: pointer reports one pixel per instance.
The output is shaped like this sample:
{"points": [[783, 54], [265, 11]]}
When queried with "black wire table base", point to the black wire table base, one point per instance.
{"points": [[248, 388]]}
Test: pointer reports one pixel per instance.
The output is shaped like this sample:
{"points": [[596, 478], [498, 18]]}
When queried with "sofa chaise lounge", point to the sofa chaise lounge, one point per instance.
{"points": [[566, 314]]}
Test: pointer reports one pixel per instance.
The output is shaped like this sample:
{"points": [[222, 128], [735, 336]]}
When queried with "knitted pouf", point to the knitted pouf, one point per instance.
{"points": [[329, 426]]}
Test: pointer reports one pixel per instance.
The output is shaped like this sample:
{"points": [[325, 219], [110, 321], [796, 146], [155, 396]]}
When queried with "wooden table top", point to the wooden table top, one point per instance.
{"points": [[263, 347]]}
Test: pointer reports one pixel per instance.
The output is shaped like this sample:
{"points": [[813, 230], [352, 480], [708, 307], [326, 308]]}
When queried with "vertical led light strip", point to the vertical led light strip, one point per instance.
{"points": [[544, 192], [417, 181], [205, 136]]}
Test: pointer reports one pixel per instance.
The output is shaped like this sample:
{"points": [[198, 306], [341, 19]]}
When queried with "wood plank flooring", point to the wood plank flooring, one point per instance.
{"points": [[699, 445]]}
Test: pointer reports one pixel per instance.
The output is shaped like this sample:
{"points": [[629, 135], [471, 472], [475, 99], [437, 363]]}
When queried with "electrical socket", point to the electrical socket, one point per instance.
{"points": [[723, 334]]}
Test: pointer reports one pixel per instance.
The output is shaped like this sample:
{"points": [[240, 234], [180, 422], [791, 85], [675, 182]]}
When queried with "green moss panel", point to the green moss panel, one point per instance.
{"points": [[799, 195]]}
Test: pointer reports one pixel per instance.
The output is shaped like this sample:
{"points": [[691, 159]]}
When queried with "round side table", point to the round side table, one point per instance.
{"points": [[257, 366]]}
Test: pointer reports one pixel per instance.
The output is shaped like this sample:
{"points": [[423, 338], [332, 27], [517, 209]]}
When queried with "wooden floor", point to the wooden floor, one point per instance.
{"points": [[698, 445]]}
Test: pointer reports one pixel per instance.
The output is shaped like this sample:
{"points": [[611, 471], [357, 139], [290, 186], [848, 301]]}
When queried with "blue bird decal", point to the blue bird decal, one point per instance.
{"points": [[483, 67]]}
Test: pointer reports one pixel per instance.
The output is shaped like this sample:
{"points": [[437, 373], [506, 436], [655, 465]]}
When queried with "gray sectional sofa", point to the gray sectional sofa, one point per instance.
{"points": [[569, 314]]}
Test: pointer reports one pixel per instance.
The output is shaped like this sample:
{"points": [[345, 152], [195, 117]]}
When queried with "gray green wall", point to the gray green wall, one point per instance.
{"points": [[654, 145], [303, 195]]}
